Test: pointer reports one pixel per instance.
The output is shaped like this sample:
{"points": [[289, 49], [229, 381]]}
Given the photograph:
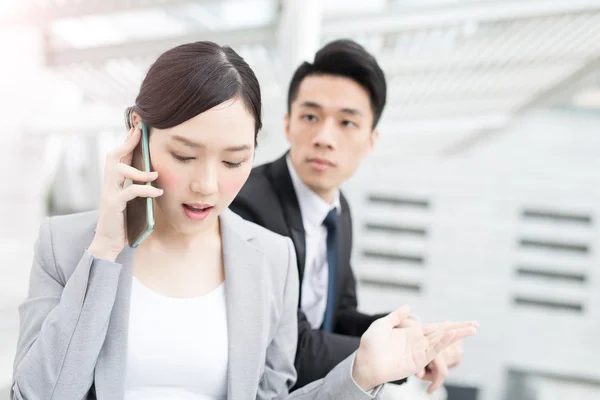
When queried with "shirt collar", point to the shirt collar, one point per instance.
{"points": [[312, 207]]}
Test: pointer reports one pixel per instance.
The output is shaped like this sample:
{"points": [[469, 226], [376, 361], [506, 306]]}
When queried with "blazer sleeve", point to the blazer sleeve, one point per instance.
{"points": [[279, 374], [319, 352], [62, 324], [349, 320]]}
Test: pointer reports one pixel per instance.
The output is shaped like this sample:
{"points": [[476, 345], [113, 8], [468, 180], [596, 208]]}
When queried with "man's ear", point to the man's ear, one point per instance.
{"points": [[286, 126], [373, 139]]}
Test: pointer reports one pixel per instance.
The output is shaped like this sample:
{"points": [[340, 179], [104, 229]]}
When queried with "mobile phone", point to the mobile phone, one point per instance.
{"points": [[139, 212]]}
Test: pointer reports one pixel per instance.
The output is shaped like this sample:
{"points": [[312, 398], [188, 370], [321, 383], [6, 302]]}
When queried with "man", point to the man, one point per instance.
{"points": [[334, 105]]}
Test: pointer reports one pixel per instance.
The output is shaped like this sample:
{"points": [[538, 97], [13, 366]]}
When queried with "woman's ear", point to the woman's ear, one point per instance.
{"points": [[135, 119]]}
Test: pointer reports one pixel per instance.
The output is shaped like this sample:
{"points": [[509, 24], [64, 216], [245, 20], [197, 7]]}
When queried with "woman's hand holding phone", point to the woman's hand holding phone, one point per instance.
{"points": [[111, 237]]}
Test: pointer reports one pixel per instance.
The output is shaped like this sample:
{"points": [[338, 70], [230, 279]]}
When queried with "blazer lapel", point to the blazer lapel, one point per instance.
{"points": [[282, 181], [246, 302], [109, 375]]}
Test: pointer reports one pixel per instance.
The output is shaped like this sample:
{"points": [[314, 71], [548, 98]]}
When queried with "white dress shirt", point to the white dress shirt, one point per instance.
{"points": [[316, 273], [177, 347]]}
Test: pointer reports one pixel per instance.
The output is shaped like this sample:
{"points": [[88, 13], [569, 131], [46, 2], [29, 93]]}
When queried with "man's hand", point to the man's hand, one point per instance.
{"points": [[437, 371], [453, 354], [389, 353]]}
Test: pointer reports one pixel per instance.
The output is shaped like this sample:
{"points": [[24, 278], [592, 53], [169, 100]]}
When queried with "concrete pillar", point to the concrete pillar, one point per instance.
{"points": [[298, 40], [299, 33]]}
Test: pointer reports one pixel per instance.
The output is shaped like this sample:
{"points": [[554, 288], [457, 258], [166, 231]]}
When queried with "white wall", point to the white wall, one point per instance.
{"points": [[25, 91]]}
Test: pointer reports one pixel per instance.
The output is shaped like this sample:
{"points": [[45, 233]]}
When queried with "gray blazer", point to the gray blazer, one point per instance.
{"points": [[73, 324]]}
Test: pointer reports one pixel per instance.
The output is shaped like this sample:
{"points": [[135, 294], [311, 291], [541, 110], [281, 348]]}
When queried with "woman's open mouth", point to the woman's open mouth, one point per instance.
{"points": [[195, 211]]}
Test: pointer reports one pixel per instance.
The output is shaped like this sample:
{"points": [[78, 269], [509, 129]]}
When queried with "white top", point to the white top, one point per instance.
{"points": [[316, 273], [177, 348]]}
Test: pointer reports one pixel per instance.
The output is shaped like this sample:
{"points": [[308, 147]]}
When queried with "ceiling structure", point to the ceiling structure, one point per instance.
{"points": [[453, 67]]}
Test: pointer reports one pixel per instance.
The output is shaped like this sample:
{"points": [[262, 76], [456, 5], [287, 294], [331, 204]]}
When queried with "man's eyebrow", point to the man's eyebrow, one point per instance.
{"points": [[345, 110], [311, 104], [351, 111]]}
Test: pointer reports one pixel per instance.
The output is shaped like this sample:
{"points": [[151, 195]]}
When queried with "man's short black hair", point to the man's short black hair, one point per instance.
{"points": [[348, 59]]}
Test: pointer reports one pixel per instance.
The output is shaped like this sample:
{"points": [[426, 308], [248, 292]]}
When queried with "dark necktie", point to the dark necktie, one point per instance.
{"points": [[330, 223]]}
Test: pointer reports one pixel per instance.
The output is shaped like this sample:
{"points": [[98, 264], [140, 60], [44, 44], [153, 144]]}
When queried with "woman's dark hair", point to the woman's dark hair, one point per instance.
{"points": [[192, 78], [348, 59]]}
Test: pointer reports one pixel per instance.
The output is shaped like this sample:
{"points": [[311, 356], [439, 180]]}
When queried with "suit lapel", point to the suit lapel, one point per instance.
{"points": [[282, 181], [246, 302], [109, 375]]}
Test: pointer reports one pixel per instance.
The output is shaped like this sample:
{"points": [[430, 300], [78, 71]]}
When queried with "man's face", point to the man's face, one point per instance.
{"points": [[330, 131]]}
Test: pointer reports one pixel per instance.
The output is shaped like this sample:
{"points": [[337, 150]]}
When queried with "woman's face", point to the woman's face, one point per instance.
{"points": [[202, 164]]}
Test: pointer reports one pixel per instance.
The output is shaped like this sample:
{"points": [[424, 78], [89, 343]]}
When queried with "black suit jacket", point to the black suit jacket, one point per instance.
{"points": [[268, 198]]}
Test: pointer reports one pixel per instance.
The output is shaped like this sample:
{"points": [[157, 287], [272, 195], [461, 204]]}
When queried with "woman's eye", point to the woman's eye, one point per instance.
{"points": [[232, 164], [182, 158]]}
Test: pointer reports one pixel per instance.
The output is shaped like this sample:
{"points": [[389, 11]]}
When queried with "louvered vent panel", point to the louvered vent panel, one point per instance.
{"points": [[554, 254], [393, 244]]}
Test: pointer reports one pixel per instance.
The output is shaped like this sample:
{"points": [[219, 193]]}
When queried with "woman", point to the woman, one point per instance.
{"points": [[205, 307]]}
